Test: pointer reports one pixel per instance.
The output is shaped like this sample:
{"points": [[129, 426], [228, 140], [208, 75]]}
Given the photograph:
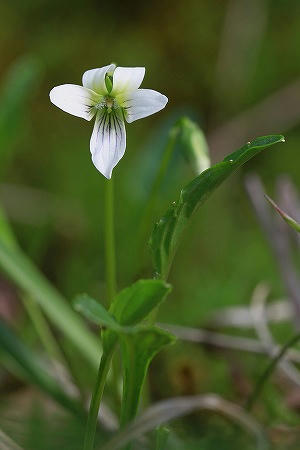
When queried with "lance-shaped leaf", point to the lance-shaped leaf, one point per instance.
{"points": [[132, 305], [194, 145], [138, 350], [95, 312], [288, 219], [166, 233], [135, 303]]}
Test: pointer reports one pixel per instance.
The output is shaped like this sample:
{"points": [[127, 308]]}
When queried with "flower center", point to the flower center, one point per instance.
{"points": [[109, 102]]}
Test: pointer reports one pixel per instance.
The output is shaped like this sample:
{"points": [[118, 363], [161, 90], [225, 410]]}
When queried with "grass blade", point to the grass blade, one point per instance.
{"points": [[24, 273], [28, 364]]}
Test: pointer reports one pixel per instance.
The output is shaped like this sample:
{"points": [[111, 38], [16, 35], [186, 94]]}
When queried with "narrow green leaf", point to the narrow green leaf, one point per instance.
{"points": [[194, 145], [289, 220], [166, 233], [32, 370], [24, 273], [95, 312], [33, 309], [138, 350]]}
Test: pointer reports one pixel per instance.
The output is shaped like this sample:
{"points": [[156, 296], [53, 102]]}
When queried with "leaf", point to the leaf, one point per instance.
{"points": [[194, 145], [135, 303], [28, 366], [129, 307], [174, 408], [95, 312], [24, 273], [289, 220], [166, 233], [138, 350]]}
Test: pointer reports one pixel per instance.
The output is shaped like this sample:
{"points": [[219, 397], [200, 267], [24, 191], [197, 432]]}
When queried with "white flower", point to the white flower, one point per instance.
{"points": [[111, 94]]}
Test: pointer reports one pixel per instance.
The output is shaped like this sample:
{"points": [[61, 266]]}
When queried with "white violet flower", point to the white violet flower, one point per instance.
{"points": [[111, 94]]}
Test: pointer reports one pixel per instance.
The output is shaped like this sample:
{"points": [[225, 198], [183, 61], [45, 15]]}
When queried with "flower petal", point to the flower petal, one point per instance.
{"points": [[143, 103], [108, 141], [127, 80], [95, 78], [75, 100]]}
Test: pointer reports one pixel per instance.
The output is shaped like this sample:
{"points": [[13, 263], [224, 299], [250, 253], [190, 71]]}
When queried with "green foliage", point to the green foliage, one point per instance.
{"points": [[227, 89], [138, 350], [24, 273], [136, 302], [95, 312], [22, 359], [167, 231], [194, 145], [132, 305]]}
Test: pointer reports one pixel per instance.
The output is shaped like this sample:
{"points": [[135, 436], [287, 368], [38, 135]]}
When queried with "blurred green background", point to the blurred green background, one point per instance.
{"points": [[232, 66]]}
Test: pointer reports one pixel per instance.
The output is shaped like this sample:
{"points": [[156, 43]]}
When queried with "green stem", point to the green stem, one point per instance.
{"points": [[268, 371], [111, 290], [150, 205], [110, 241], [95, 401]]}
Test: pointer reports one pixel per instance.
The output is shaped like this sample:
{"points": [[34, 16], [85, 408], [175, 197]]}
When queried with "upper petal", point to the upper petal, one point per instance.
{"points": [[127, 80], [95, 78], [75, 100], [143, 103], [108, 141]]}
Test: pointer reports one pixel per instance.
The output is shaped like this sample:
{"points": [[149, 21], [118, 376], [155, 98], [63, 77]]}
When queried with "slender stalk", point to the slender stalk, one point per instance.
{"points": [[106, 358], [110, 241], [110, 259], [269, 370], [95, 401]]}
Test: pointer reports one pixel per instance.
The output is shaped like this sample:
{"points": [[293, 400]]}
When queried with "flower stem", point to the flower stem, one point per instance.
{"points": [[106, 358], [110, 241], [95, 401]]}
